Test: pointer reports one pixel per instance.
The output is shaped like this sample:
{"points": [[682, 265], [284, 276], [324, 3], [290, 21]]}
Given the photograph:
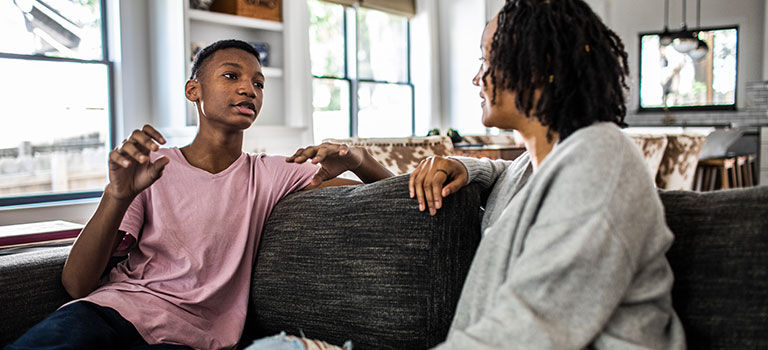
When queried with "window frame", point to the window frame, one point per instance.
{"points": [[35, 199], [353, 83], [731, 107]]}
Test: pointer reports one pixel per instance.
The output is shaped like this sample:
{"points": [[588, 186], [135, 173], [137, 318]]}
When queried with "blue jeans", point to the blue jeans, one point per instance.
{"points": [[284, 342], [84, 326]]}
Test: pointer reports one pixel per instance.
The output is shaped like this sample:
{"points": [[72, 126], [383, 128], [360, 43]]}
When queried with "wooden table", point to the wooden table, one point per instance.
{"points": [[506, 152]]}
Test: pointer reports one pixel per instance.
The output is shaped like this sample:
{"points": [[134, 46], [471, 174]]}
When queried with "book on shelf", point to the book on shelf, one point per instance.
{"points": [[46, 233]]}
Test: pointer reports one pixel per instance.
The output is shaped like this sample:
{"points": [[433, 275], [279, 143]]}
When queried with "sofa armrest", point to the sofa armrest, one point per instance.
{"points": [[31, 289]]}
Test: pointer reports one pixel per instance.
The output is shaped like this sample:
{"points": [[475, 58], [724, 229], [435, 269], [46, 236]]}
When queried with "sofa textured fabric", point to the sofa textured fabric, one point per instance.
{"points": [[362, 263], [378, 272], [720, 262]]}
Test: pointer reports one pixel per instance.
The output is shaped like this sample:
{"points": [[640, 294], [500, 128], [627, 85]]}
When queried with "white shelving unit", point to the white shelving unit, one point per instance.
{"points": [[236, 21], [285, 120]]}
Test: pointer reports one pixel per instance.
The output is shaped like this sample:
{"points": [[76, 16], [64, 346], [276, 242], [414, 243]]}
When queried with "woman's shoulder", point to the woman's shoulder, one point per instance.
{"points": [[595, 168]]}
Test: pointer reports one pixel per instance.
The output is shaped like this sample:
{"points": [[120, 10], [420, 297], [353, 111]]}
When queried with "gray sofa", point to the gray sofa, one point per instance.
{"points": [[362, 263]]}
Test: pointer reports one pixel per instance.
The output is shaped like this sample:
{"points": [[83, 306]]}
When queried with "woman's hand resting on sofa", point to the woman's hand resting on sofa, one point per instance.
{"points": [[428, 181]]}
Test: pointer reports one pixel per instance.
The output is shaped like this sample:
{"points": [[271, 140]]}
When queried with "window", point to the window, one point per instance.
{"points": [[679, 80], [56, 93], [360, 64]]}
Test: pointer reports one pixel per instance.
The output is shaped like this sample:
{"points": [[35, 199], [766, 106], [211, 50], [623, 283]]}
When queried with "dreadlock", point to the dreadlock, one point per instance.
{"points": [[561, 47]]}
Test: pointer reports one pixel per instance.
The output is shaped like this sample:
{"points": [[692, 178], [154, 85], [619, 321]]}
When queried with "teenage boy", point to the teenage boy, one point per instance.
{"points": [[189, 218]]}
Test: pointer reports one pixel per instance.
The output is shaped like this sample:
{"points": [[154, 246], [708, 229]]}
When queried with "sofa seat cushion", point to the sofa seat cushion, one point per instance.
{"points": [[720, 262], [31, 289], [362, 263]]}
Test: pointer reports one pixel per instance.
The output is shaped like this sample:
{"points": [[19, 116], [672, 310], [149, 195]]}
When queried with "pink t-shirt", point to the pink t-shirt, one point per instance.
{"points": [[187, 280]]}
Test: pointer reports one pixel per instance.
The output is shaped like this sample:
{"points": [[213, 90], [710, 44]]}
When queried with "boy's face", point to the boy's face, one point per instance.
{"points": [[229, 89]]}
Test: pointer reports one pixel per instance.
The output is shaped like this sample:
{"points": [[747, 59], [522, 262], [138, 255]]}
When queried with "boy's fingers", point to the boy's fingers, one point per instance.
{"points": [[320, 176], [319, 156], [119, 159], [141, 138], [152, 132], [296, 154], [131, 150], [343, 149], [158, 166], [308, 153]]}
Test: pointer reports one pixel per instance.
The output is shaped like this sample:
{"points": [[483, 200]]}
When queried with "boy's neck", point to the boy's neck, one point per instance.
{"points": [[214, 152]]}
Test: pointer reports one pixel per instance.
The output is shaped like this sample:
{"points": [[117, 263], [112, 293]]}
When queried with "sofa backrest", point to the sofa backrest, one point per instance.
{"points": [[720, 262], [362, 263]]}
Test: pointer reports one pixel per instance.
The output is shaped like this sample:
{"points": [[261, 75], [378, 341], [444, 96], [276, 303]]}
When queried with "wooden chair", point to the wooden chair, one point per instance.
{"points": [[724, 173]]}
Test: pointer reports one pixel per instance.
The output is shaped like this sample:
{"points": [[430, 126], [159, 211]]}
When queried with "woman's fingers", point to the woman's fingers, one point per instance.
{"points": [[433, 179], [438, 179], [412, 179]]}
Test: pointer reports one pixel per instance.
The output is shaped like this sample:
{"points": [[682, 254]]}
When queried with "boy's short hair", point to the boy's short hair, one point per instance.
{"points": [[209, 50]]}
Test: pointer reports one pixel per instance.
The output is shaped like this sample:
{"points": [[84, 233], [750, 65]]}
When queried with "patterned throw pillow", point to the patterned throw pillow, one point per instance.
{"points": [[652, 147], [678, 167], [402, 155]]}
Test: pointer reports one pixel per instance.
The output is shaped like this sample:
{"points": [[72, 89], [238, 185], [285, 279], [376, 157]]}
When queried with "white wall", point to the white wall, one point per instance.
{"points": [[461, 24]]}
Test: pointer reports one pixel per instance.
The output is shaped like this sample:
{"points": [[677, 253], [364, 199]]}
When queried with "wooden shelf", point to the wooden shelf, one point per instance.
{"points": [[236, 21]]}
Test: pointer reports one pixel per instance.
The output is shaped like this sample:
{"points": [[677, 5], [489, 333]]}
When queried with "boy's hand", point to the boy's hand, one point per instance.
{"points": [[334, 158], [426, 182], [130, 169]]}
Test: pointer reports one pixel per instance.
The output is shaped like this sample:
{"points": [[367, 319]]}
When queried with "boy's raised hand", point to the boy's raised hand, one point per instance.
{"points": [[334, 159], [130, 169]]}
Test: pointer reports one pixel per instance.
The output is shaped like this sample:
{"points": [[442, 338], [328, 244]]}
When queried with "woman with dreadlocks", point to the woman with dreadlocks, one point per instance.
{"points": [[574, 236]]}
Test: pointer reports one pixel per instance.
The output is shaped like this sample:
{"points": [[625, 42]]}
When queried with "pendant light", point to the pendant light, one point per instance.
{"points": [[666, 37], [685, 40], [701, 49]]}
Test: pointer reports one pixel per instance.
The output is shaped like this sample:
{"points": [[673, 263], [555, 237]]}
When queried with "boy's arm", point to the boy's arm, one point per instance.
{"points": [[336, 159], [93, 247], [130, 172]]}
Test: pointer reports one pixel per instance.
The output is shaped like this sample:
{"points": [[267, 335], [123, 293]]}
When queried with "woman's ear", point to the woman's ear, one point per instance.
{"points": [[192, 90]]}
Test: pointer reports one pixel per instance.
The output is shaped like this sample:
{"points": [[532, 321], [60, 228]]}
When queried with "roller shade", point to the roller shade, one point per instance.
{"points": [[405, 8], [343, 2]]}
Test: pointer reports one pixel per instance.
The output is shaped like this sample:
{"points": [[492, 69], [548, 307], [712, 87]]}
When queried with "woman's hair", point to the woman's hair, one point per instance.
{"points": [[563, 48]]}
